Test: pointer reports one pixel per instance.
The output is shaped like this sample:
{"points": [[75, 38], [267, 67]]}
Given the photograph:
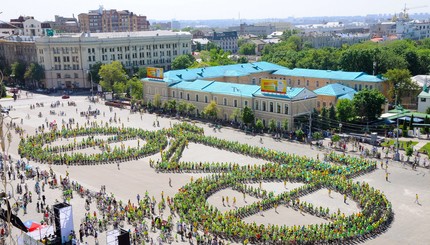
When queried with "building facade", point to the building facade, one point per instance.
{"points": [[111, 20], [225, 40], [233, 87], [315, 79], [18, 48], [66, 59], [229, 97]]}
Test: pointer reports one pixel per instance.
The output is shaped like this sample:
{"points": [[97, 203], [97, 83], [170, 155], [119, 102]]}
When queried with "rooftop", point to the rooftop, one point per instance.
{"points": [[235, 70], [335, 89], [328, 74]]}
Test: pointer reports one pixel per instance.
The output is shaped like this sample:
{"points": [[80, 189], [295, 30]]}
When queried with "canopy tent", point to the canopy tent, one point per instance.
{"points": [[409, 119]]}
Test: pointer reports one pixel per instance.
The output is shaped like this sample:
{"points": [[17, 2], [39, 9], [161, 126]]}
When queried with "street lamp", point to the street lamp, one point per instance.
{"points": [[340, 128]]}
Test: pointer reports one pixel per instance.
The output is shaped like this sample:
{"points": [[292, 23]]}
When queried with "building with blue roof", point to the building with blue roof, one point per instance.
{"points": [[229, 97], [329, 94], [315, 79], [236, 86]]}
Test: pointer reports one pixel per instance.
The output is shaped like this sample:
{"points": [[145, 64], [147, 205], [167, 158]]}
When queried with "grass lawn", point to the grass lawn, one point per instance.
{"points": [[425, 149], [403, 144]]}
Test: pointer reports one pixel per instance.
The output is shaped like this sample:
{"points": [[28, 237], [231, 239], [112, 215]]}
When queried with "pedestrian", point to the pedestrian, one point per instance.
{"points": [[44, 199], [416, 199], [170, 182], [344, 198], [386, 177]]}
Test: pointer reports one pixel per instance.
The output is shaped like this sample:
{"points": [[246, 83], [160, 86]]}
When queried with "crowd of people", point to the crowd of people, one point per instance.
{"points": [[198, 218]]}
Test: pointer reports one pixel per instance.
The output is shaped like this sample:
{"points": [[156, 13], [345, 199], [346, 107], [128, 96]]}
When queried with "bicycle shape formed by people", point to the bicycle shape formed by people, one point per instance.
{"points": [[191, 204]]}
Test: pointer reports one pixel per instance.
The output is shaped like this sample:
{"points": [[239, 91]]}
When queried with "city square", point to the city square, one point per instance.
{"points": [[126, 179]]}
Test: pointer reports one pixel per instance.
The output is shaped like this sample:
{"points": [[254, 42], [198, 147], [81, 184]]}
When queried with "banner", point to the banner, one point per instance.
{"points": [[273, 86], [153, 72]]}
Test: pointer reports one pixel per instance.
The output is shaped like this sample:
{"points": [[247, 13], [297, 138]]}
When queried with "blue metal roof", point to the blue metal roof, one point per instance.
{"points": [[328, 74], [196, 85], [219, 71], [348, 96], [291, 93], [233, 89], [334, 89]]}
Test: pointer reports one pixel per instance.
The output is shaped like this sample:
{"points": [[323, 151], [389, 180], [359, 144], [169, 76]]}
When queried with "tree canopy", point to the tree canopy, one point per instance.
{"points": [[368, 104], [369, 57], [399, 81], [110, 74], [183, 61], [211, 110]]}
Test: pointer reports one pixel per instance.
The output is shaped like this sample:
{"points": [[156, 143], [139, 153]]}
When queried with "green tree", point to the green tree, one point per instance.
{"points": [[135, 87], [242, 60], [211, 110], [94, 72], [171, 106], [345, 110], [411, 123], [285, 124], [141, 73], [3, 92], [157, 101], [248, 116], [325, 118], [399, 83], [368, 103], [300, 134], [236, 115], [183, 61], [35, 73], [332, 116], [182, 107], [247, 49], [119, 88], [191, 108], [428, 110], [335, 138], [110, 74], [259, 125], [272, 125], [18, 71]]}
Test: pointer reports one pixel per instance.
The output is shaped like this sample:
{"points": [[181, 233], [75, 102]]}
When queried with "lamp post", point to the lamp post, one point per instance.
{"points": [[340, 128]]}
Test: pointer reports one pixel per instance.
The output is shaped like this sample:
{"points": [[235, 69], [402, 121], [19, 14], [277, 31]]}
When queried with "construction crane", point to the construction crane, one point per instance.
{"points": [[405, 9]]}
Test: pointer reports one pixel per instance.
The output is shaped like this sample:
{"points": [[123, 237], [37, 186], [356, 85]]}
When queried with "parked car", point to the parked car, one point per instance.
{"points": [[65, 96]]}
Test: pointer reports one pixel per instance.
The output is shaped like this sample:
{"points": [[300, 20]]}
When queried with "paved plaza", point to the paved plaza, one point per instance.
{"points": [[411, 220]]}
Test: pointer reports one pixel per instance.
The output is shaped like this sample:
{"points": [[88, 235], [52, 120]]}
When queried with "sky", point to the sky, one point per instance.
{"points": [[43, 10]]}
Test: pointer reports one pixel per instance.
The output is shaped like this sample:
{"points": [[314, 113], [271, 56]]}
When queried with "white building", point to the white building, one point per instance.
{"points": [[67, 59]]}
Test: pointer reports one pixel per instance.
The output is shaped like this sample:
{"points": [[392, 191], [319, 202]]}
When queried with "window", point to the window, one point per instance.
{"points": [[256, 105], [324, 104], [318, 84], [298, 82], [359, 87], [264, 105], [173, 94], [197, 97], [216, 99], [180, 95], [278, 108], [235, 103], [58, 75], [271, 106], [206, 99], [225, 101], [307, 83], [423, 99], [371, 86], [246, 103], [188, 96], [318, 104], [286, 109], [253, 80]]}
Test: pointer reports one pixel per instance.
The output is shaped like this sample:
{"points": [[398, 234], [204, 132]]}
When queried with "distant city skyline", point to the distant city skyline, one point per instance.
{"points": [[44, 10]]}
